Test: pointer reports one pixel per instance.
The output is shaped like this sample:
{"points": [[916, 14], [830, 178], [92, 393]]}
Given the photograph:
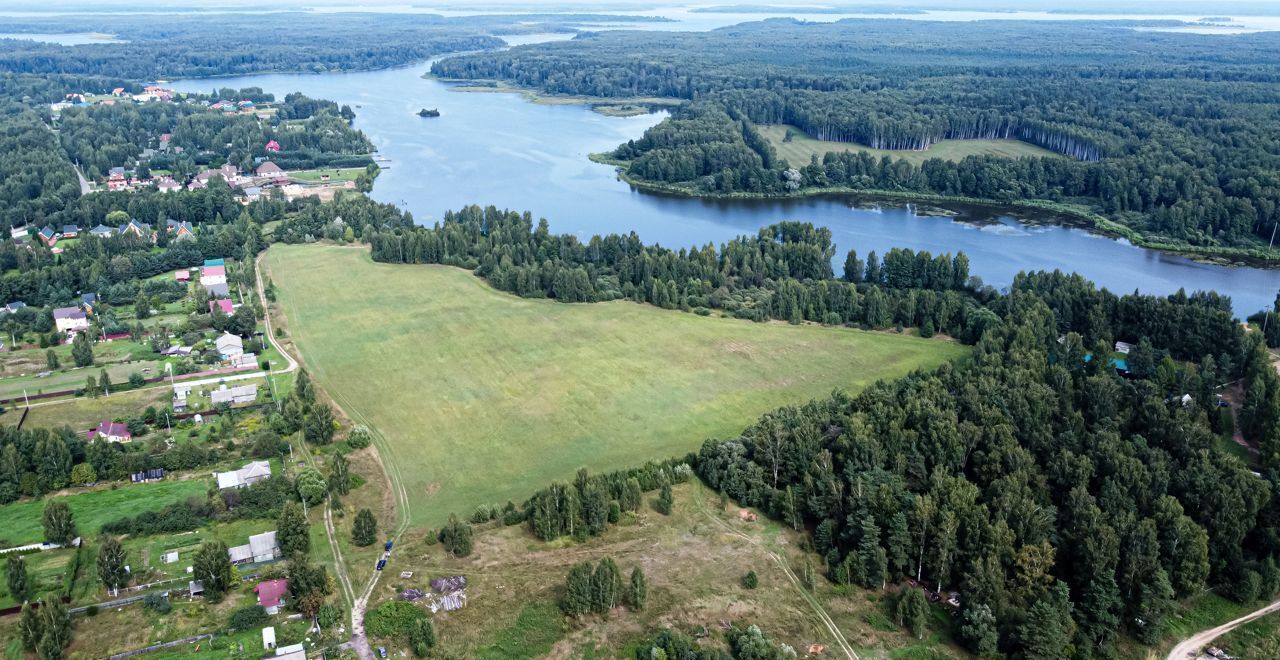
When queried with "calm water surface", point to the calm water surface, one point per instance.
{"points": [[502, 150]]}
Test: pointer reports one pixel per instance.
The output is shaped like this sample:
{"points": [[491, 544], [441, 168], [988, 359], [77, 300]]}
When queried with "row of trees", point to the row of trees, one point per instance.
{"points": [[601, 589]]}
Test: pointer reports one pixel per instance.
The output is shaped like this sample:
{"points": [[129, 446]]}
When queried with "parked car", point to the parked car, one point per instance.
{"points": [[389, 542], [382, 651], [382, 563]]}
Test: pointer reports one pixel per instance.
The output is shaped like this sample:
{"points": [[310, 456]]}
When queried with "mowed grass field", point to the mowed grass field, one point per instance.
{"points": [[20, 523], [801, 147], [482, 396]]}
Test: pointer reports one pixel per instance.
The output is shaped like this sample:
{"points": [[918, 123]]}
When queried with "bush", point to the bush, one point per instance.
{"points": [[359, 437], [248, 617], [156, 603], [392, 619], [328, 615], [92, 610], [750, 580]]}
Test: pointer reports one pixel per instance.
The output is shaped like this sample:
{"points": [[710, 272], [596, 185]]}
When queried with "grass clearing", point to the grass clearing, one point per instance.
{"points": [[483, 397], [20, 522], [801, 147], [693, 560], [83, 413]]}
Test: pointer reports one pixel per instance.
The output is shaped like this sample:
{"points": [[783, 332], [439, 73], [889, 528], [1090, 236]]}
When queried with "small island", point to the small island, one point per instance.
{"points": [[428, 113]]}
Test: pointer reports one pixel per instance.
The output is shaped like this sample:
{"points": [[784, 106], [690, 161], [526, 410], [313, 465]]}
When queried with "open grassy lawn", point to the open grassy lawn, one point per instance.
{"points": [[483, 397], [85, 412], [694, 561], [20, 522], [801, 147], [336, 175]]}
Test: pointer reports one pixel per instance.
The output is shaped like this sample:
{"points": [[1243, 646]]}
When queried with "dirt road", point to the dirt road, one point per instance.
{"points": [[1190, 648]]}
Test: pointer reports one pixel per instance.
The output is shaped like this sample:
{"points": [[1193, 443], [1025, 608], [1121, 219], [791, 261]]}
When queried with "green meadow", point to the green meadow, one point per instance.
{"points": [[20, 522], [801, 147], [480, 396]]}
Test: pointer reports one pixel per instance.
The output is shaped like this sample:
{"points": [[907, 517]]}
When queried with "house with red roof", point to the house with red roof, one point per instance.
{"points": [[223, 304], [271, 594], [111, 432], [272, 146]]}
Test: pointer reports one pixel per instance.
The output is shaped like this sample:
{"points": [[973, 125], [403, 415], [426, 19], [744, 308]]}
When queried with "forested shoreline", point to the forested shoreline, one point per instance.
{"points": [[1151, 127]]}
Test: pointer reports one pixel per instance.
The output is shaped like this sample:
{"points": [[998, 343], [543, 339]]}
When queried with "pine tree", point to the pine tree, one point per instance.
{"points": [[854, 269], [111, 561], [638, 593], [978, 630], [1048, 630], [82, 350], [364, 532], [665, 499], [292, 531], [19, 580], [456, 537], [51, 360]]}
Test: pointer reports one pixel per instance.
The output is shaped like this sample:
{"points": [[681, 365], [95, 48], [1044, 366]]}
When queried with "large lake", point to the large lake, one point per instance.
{"points": [[501, 149]]}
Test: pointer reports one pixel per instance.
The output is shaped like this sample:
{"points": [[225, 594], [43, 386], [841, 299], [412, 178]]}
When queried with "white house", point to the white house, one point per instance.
{"points": [[249, 474], [70, 320], [230, 346], [261, 547], [234, 395]]}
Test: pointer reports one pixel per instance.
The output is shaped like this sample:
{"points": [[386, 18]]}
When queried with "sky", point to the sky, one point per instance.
{"points": [[1210, 7]]}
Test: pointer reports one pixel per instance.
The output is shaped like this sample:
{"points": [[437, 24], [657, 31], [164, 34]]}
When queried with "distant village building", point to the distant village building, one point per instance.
{"points": [[111, 432], [70, 320], [245, 476], [1123, 347], [234, 395], [102, 231], [210, 275], [272, 146], [218, 290], [70, 231], [269, 170], [223, 304]]}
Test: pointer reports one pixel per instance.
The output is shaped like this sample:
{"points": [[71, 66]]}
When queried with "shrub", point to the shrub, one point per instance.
{"points": [[156, 603], [248, 617], [750, 580], [92, 610], [328, 615], [392, 619], [359, 437]]}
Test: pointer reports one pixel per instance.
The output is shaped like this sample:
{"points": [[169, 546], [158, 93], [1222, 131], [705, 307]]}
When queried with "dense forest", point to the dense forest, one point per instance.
{"points": [[196, 45], [1063, 499], [1173, 135]]}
